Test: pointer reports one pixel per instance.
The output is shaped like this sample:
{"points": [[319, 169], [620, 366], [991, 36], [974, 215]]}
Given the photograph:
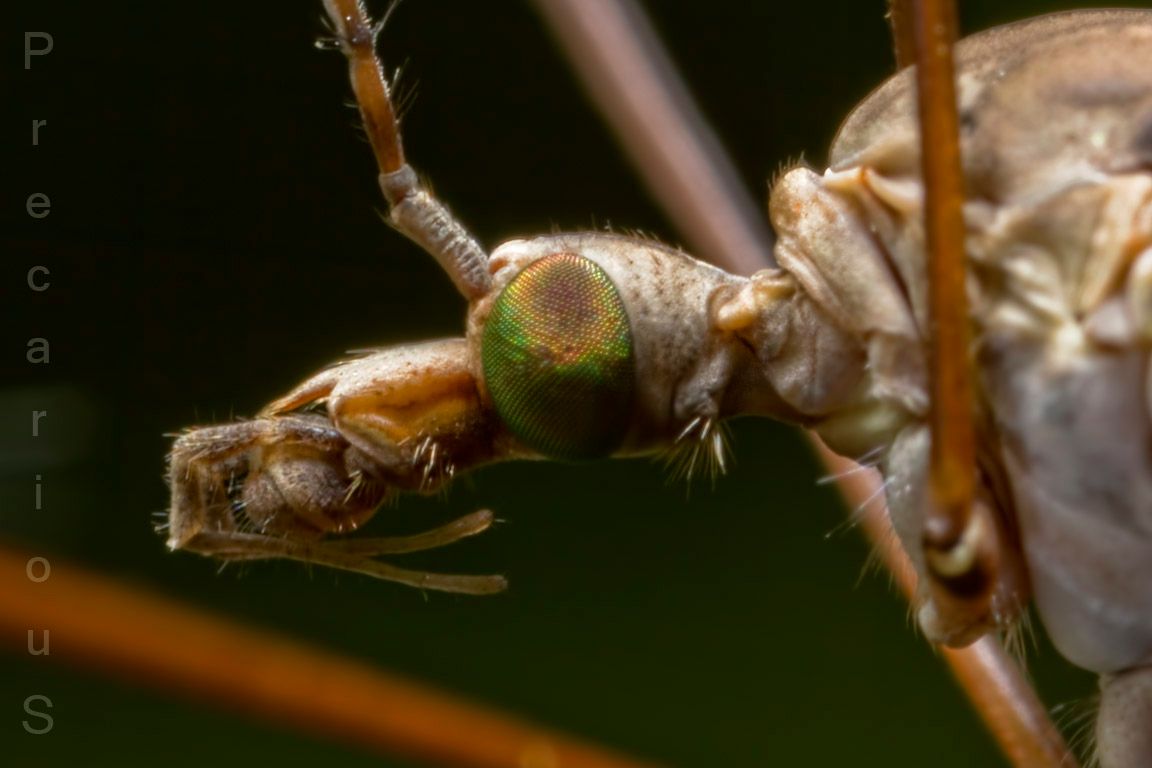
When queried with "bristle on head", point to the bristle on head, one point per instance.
{"points": [[702, 446]]}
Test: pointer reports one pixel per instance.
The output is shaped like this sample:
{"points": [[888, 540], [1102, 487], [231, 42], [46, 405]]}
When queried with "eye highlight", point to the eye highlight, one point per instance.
{"points": [[558, 358]]}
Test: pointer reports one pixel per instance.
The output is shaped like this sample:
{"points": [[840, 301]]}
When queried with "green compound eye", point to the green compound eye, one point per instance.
{"points": [[558, 358]]}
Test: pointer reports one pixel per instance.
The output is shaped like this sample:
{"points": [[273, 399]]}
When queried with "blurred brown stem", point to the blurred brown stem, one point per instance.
{"points": [[125, 632]]}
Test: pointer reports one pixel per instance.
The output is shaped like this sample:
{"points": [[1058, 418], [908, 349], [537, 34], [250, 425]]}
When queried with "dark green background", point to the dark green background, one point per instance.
{"points": [[214, 239]]}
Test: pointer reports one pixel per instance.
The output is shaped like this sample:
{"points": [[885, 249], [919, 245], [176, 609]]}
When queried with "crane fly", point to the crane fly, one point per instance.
{"points": [[1014, 437]]}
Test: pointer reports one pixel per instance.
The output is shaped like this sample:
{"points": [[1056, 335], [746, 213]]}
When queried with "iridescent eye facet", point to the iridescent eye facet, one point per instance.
{"points": [[558, 358]]}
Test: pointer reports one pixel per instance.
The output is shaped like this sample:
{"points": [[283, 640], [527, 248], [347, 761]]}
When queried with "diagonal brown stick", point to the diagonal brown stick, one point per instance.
{"points": [[632, 82], [599, 40], [900, 18], [1005, 701], [123, 631]]}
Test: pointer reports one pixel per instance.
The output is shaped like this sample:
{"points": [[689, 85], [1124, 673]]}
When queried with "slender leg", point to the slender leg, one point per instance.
{"points": [[968, 558], [961, 552], [413, 210]]}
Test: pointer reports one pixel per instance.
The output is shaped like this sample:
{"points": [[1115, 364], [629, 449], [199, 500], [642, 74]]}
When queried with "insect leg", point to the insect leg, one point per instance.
{"points": [[963, 556], [968, 562], [412, 209]]}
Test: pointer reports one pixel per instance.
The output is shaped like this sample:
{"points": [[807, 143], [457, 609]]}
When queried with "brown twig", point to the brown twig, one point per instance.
{"points": [[631, 80], [121, 630], [900, 19]]}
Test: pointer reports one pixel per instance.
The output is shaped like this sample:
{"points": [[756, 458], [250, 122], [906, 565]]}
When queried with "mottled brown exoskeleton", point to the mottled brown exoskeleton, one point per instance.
{"points": [[595, 344]]}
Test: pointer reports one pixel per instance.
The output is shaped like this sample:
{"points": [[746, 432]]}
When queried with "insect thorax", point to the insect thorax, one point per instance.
{"points": [[1056, 136]]}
